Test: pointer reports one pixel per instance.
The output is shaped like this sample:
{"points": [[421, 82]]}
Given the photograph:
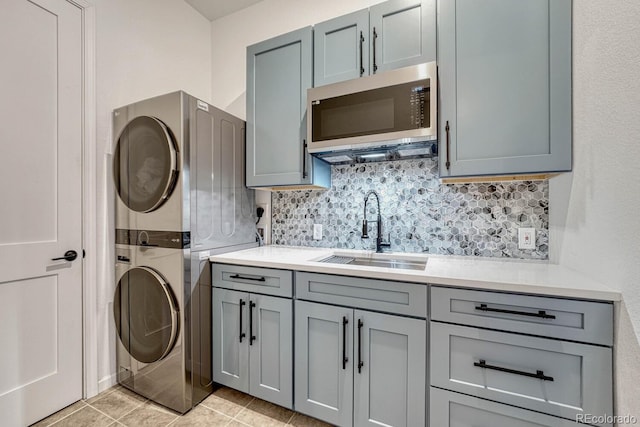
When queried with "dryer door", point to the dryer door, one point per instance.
{"points": [[145, 314], [145, 164]]}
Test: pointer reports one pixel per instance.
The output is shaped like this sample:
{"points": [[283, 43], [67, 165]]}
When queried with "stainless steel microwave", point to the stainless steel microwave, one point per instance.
{"points": [[394, 108]]}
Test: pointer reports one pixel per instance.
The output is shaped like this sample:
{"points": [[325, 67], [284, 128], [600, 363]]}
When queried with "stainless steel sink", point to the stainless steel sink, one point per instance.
{"points": [[372, 262]]}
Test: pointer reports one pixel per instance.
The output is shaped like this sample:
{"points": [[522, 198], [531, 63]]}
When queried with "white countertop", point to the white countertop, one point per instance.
{"points": [[534, 277]]}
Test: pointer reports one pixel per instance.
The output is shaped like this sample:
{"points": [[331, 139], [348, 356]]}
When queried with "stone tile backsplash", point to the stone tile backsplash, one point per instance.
{"points": [[420, 214]]}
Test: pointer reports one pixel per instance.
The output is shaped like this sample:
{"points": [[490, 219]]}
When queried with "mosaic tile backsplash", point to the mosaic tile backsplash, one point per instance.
{"points": [[420, 214]]}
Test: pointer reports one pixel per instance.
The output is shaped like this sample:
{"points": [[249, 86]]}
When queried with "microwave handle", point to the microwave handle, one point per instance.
{"points": [[304, 159]]}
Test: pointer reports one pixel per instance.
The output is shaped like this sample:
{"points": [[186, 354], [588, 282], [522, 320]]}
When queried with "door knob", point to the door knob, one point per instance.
{"points": [[68, 256]]}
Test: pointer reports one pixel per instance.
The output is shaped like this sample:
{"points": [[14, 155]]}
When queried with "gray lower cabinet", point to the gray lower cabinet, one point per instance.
{"points": [[252, 344], [355, 367], [390, 35], [556, 377], [324, 362], [459, 410], [279, 72], [520, 357], [504, 70]]}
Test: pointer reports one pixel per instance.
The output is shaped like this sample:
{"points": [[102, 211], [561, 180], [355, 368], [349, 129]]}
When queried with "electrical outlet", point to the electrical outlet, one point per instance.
{"points": [[317, 231], [264, 224], [526, 238]]}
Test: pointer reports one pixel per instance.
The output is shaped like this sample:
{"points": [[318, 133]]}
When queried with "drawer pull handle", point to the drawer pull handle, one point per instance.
{"points": [[541, 313], [539, 374], [257, 279]]}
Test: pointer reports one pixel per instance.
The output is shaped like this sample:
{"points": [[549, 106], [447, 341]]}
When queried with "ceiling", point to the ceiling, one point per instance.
{"points": [[214, 9]]}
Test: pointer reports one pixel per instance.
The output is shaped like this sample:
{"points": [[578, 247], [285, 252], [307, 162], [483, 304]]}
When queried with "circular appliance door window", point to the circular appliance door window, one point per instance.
{"points": [[145, 314], [145, 164]]}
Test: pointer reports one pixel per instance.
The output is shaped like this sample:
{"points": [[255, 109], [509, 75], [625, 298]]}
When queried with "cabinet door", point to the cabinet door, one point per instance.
{"points": [[403, 33], [341, 48], [279, 72], [271, 352], [230, 350], [324, 362], [390, 370], [505, 86]]}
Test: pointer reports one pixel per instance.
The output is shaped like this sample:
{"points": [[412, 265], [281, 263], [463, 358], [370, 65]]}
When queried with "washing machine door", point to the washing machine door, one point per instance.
{"points": [[145, 164], [146, 315]]}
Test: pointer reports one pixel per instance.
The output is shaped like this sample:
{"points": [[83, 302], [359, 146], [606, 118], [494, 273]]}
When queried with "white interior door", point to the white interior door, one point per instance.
{"points": [[40, 208]]}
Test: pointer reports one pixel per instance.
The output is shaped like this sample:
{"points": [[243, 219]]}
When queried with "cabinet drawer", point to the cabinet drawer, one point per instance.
{"points": [[509, 368], [460, 410], [381, 295], [573, 320], [253, 279]]}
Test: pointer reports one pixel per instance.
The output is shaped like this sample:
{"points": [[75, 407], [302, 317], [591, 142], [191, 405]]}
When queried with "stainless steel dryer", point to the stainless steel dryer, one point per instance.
{"points": [[179, 175]]}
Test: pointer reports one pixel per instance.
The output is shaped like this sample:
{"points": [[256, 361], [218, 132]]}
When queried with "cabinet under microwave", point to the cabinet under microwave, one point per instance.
{"points": [[393, 108]]}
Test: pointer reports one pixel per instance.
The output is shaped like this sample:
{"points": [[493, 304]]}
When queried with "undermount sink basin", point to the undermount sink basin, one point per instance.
{"points": [[372, 262]]}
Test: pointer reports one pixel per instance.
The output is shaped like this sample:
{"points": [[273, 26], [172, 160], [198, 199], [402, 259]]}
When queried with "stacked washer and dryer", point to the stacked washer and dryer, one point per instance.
{"points": [[179, 175]]}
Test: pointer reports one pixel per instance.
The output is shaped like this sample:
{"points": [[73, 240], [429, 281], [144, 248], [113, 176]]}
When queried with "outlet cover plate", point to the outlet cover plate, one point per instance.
{"points": [[317, 231], [526, 238]]}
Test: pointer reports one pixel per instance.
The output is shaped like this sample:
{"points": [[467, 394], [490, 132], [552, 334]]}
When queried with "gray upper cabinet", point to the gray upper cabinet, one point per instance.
{"points": [[390, 35], [403, 33], [341, 48], [279, 72], [505, 86]]}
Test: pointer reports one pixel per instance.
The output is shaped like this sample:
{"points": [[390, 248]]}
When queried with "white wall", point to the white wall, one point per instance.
{"points": [[143, 48], [594, 211], [231, 35]]}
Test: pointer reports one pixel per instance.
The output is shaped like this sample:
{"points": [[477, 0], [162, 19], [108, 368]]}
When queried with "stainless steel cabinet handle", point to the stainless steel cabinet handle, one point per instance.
{"points": [[539, 374], [345, 359]]}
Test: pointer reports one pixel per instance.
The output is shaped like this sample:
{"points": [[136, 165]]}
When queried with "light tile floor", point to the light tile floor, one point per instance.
{"points": [[225, 407]]}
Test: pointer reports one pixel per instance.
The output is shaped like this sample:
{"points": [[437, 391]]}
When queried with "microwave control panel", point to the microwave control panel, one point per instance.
{"points": [[418, 99]]}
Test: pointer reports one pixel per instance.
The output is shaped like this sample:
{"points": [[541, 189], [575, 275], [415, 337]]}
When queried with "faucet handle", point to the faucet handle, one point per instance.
{"points": [[365, 229]]}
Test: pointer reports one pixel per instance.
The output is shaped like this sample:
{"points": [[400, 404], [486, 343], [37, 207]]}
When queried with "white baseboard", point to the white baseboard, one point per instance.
{"points": [[107, 382]]}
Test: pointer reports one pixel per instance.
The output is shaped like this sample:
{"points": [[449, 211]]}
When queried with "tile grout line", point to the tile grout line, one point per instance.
{"points": [[95, 409], [66, 416], [121, 416], [291, 417], [242, 410]]}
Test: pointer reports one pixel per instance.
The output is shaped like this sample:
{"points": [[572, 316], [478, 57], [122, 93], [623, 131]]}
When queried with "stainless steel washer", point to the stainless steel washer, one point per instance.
{"points": [[163, 348]]}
